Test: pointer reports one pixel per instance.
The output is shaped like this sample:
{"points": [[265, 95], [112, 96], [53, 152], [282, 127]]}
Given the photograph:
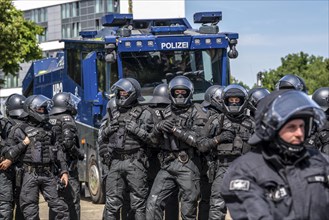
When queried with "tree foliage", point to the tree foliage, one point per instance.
{"points": [[314, 70], [18, 38]]}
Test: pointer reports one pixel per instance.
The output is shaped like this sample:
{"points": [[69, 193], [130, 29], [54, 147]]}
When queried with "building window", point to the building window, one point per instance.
{"points": [[75, 9], [99, 6], [112, 5], [70, 10], [10, 81], [75, 29], [43, 38], [97, 24], [39, 15]]}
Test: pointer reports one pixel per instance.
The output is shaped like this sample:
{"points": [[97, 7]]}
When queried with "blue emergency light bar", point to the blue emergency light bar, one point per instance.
{"points": [[116, 20], [207, 17], [88, 34], [178, 29]]}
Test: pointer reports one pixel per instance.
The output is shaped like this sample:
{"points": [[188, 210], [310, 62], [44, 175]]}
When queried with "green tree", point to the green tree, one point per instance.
{"points": [[314, 70], [18, 38]]}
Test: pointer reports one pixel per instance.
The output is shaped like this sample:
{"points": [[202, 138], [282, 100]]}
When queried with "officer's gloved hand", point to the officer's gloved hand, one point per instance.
{"points": [[165, 126], [132, 127], [205, 144], [110, 129], [224, 137]]}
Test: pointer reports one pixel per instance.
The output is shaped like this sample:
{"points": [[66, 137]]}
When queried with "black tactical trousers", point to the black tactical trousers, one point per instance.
{"points": [[17, 191], [130, 174], [71, 196], [6, 195], [172, 175], [205, 198], [217, 204], [172, 206], [44, 182]]}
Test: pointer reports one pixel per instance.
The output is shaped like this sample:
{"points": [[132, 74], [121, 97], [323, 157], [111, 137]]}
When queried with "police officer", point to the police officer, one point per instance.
{"points": [[291, 81], [159, 101], [179, 161], [15, 118], [39, 160], [281, 179], [254, 97], [61, 116], [122, 149], [320, 138], [111, 112], [213, 103], [226, 135], [9, 155]]}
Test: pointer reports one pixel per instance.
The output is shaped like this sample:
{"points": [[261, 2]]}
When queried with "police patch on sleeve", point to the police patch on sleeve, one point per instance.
{"points": [[52, 121], [239, 185]]}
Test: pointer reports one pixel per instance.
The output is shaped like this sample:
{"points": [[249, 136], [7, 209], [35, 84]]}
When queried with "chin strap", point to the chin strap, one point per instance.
{"points": [[289, 152]]}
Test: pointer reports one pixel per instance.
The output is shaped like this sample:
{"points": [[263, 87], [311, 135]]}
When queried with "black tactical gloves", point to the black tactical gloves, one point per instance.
{"points": [[165, 126], [224, 137], [205, 144], [113, 127]]}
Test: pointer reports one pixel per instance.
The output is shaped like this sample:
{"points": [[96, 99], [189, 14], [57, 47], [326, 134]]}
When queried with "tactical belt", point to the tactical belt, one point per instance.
{"points": [[126, 155], [39, 169], [183, 156]]}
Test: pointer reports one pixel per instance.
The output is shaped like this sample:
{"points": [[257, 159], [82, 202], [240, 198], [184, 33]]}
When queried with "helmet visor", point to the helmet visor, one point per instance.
{"points": [[123, 84], [74, 100], [289, 104], [41, 104]]}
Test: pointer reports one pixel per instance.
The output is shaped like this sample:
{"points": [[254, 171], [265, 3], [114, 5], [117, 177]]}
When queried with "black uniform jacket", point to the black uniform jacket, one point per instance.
{"points": [[259, 186]]}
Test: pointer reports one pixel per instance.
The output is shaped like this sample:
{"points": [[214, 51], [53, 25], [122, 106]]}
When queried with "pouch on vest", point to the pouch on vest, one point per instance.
{"points": [[36, 152]]}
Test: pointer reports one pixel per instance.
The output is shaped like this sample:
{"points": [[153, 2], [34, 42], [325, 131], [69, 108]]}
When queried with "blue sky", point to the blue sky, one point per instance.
{"points": [[269, 30]]}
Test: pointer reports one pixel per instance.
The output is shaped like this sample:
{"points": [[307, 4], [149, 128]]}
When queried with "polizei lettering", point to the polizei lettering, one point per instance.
{"points": [[174, 45]]}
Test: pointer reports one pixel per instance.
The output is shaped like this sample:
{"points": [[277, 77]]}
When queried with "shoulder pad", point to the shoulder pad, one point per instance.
{"points": [[167, 112], [31, 131], [200, 107]]}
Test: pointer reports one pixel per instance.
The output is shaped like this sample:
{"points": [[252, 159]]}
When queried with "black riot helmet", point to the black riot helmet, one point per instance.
{"points": [[127, 86], [137, 87], [254, 96], [231, 91], [278, 108], [34, 104], [321, 97], [64, 102], [160, 94], [181, 83], [213, 97], [291, 81], [14, 105]]}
